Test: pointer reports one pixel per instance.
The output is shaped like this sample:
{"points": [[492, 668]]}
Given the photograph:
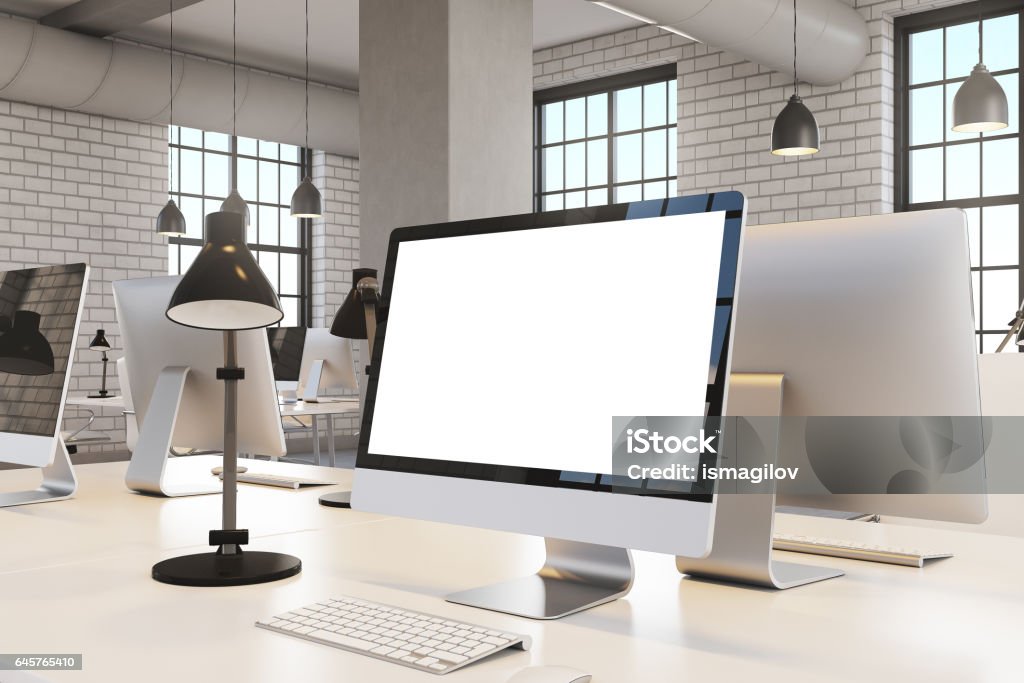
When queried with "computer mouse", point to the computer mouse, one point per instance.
{"points": [[550, 674], [218, 470]]}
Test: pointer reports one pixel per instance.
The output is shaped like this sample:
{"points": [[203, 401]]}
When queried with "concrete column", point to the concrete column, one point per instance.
{"points": [[446, 113]]}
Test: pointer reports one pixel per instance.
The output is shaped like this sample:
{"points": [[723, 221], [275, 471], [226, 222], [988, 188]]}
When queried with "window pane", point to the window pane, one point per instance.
{"points": [[951, 91], [553, 168], [1001, 169], [268, 150], [188, 255], [1001, 239], [655, 104], [192, 210], [252, 232], [268, 262], [976, 290], [191, 171], [629, 193], [218, 141], [627, 158], [974, 236], [216, 178], [655, 154], [289, 181], [246, 146], [290, 308], [268, 224], [597, 197], [926, 115], [926, 56], [576, 165], [289, 274], [1009, 84], [290, 153], [172, 260], [289, 229], [962, 171], [190, 137], [172, 134], [961, 49], [597, 115], [247, 178], [627, 109], [173, 162], [1000, 49], [673, 114], [990, 342], [268, 181], [552, 202], [673, 164], [597, 162], [576, 119], [926, 175], [656, 190], [552, 122], [999, 297], [575, 200]]}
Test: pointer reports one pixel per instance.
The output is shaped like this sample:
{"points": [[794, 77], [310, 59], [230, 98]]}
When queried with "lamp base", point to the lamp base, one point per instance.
{"points": [[338, 499], [214, 569]]}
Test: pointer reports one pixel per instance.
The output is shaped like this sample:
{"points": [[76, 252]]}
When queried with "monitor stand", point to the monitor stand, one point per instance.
{"points": [[59, 481], [147, 471], [575, 577], [311, 392], [741, 550]]}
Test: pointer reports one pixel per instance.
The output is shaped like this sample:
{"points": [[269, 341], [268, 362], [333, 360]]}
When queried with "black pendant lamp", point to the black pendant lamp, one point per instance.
{"points": [[170, 221], [23, 348], [306, 200], [795, 132], [234, 202]]}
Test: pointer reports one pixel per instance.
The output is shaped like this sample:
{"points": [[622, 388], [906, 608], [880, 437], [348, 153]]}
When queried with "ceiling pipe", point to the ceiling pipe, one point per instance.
{"points": [[833, 36], [55, 68]]}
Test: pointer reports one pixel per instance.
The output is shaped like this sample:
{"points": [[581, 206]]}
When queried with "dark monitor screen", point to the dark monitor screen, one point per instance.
{"points": [[286, 344]]}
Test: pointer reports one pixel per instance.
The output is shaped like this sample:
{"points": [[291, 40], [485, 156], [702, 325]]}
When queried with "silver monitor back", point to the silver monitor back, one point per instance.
{"points": [[338, 373], [868, 316], [152, 342]]}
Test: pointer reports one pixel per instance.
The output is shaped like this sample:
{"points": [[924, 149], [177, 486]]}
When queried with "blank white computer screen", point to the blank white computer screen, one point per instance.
{"points": [[517, 348]]}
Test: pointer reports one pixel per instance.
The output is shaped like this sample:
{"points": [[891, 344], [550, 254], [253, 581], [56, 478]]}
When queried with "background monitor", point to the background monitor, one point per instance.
{"points": [[338, 372], [152, 342], [40, 308], [868, 316], [286, 344], [512, 342]]}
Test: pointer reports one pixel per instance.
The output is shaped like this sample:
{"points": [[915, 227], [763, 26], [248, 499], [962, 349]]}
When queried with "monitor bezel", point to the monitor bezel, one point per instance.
{"points": [[732, 203]]}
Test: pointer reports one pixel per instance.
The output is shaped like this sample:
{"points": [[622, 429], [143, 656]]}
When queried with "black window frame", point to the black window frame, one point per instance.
{"points": [[905, 26], [596, 86], [303, 167]]}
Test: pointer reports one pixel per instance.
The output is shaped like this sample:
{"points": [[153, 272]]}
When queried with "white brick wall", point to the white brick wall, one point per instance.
{"points": [[727, 107], [75, 187]]}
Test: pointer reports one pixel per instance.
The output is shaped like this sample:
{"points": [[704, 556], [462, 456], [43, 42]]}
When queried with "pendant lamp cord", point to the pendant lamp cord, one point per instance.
{"points": [[170, 84], [794, 50], [234, 69], [307, 74]]}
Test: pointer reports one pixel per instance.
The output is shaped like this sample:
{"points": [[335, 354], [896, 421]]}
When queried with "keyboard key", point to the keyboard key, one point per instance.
{"points": [[399, 654], [438, 667], [449, 657], [495, 641], [382, 650], [426, 661], [344, 641]]}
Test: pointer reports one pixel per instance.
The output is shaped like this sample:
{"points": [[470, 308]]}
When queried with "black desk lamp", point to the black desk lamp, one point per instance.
{"points": [[356, 319], [224, 289], [23, 348], [100, 343], [1016, 329]]}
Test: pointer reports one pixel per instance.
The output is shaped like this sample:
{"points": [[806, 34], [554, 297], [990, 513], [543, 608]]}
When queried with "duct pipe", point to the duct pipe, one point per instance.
{"points": [[832, 36], [54, 68]]}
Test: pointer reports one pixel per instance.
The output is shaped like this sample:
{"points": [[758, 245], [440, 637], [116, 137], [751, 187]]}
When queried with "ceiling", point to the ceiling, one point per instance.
{"points": [[270, 32]]}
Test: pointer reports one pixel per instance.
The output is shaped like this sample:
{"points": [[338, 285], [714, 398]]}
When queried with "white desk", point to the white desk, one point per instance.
{"points": [[326, 408], [74, 578], [91, 404]]}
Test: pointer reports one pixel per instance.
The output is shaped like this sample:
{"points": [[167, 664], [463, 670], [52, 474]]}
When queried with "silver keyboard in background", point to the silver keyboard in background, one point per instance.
{"points": [[392, 634], [279, 480], [851, 550]]}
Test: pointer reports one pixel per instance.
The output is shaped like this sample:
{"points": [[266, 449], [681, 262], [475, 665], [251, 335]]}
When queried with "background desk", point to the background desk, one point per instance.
{"points": [[74, 577], [327, 408]]}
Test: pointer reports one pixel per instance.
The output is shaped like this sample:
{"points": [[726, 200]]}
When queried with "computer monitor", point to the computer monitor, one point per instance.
{"points": [[327, 366], [867, 317], [286, 344], [40, 309], [509, 346], [178, 399]]}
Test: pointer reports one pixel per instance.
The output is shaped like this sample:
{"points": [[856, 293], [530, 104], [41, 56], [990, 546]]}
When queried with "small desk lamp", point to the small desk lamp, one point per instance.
{"points": [[224, 289], [356, 319], [23, 348], [100, 343], [1016, 329]]}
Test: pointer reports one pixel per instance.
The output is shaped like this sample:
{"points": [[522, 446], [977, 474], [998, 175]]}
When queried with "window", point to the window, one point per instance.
{"points": [[979, 172], [608, 140], [202, 165]]}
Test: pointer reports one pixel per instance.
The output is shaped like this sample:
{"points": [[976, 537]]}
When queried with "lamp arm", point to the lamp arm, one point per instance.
{"points": [[1015, 325]]}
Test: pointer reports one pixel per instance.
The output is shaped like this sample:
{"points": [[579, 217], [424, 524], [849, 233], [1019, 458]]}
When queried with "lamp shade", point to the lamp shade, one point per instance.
{"points": [[795, 131], [170, 220], [99, 342], [306, 200], [224, 288], [23, 349], [350, 320], [235, 204], [980, 104]]}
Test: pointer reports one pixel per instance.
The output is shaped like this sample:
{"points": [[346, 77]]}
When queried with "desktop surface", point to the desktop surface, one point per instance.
{"points": [[87, 590]]}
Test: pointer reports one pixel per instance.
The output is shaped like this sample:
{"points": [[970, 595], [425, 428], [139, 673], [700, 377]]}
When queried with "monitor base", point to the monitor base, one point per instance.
{"points": [[338, 499], [576, 576], [214, 569], [59, 481]]}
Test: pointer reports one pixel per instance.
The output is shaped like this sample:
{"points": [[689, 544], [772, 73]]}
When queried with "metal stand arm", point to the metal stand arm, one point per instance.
{"points": [[59, 481]]}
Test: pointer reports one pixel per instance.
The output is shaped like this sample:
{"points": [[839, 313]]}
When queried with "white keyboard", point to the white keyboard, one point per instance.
{"points": [[282, 481], [413, 639], [852, 550]]}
